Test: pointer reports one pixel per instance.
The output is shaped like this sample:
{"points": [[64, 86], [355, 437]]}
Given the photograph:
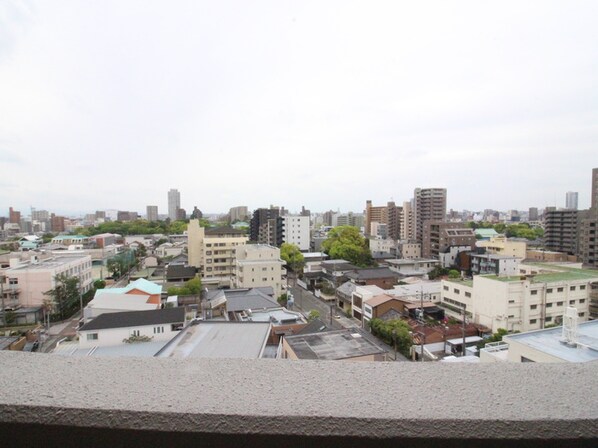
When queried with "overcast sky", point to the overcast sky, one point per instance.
{"points": [[324, 104]]}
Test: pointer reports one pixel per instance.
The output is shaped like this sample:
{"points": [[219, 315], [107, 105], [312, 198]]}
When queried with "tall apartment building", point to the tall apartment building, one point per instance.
{"points": [[100, 214], [57, 223], [408, 221], [429, 204], [152, 212], [532, 214], [439, 236], [14, 216], [294, 230], [259, 265], [390, 214], [561, 230], [348, 219], [594, 192], [212, 251], [40, 215], [571, 200], [239, 213], [263, 225], [174, 203]]}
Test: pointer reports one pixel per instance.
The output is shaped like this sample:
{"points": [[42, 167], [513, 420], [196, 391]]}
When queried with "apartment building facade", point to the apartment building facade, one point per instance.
{"points": [[521, 302], [212, 251], [429, 204], [390, 214], [438, 236], [259, 265], [501, 245], [294, 230], [26, 282], [561, 231]]}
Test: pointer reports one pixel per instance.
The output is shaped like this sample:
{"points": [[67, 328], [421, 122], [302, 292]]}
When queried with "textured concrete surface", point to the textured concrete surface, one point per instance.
{"points": [[302, 398]]}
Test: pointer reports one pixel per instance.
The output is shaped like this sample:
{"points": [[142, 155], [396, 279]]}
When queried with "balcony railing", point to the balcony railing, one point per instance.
{"points": [[205, 402]]}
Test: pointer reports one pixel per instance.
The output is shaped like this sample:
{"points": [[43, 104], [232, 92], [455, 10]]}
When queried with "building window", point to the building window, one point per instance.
{"points": [[446, 288], [13, 281], [549, 319], [135, 333], [560, 289], [559, 304], [456, 291], [549, 305], [511, 301], [208, 252], [533, 321], [582, 301], [582, 287], [534, 292], [582, 314], [158, 330], [533, 307], [571, 288], [549, 291], [467, 294], [264, 279], [92, 336], [571, 302]]}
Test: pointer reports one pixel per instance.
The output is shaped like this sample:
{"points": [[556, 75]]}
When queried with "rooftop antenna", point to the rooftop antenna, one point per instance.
{"points": [[570, 319]]}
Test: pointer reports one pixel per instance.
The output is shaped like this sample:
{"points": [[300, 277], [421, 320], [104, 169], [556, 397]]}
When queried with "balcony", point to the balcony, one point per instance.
{"points": [[166, 402]]}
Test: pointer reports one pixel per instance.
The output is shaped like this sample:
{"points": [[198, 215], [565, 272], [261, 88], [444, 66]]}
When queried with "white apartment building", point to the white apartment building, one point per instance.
{"points": [[522, 302], [27, 281], [259, 265], [295, 230], [382, 245], [213, 251], [501, 245]]}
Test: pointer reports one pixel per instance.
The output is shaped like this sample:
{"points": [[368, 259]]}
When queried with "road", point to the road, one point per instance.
{"points": [[305, 301]]}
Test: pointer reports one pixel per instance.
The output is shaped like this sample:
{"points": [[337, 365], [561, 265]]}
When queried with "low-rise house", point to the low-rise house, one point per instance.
{"points": [[139, 287], [171, 249], [259, 265], [344, 345], [384, 278], [117, 303], [415, 267], [111, 329], [501, 245], [180, 272]]}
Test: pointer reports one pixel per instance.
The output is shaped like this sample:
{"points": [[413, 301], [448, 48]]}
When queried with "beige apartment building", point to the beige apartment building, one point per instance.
{"points": [[212, 251], [259, 265], [521, 302], [26, 282], [501, 245]]}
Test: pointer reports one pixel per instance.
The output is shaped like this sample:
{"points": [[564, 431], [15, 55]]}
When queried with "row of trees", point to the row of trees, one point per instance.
{"points": [[190, 288], [139, 227], [521, 230], [393, 332]]}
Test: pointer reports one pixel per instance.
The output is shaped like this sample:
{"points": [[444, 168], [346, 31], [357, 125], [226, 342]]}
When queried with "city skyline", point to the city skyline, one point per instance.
{"points": [[325, 106]]}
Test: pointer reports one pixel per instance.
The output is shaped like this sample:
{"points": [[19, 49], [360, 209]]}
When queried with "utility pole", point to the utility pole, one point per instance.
{"points": [[464, 318], [2, 280]]}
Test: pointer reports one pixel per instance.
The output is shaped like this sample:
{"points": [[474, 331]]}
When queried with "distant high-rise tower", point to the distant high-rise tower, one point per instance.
{"points": [[533, 214], [152, 213], [594, 189], [174, 203], [429, 204], [571, 200]]}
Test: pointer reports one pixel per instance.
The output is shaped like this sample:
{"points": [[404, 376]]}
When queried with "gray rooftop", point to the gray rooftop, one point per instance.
{"points": [[371, 274], [252, 299], [136, 319], [333, 345], [219, 339], [549, 342]]}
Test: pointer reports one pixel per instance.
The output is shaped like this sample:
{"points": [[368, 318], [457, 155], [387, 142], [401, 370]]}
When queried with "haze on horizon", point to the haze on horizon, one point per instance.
{"points": [[108, 105]]}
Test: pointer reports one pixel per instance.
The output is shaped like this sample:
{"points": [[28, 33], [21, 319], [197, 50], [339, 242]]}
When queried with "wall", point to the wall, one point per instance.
{"points": [[115, 336], [133, 403]]}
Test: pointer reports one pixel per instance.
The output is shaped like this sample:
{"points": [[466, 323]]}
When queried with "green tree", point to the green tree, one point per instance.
{"points": [[293, 257], [64, 295], [453, 273], [282, 300], [346, 243], [313, 314], [395, 331], [189, 288], [99, 284]]}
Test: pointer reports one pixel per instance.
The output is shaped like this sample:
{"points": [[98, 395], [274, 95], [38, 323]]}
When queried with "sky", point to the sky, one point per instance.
{"points": [[108, 105]]}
